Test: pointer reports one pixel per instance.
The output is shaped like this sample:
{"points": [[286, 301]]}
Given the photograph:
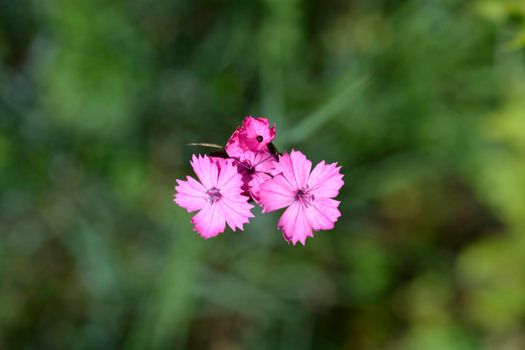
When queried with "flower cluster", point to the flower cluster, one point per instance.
{"points": [[251, 170]]}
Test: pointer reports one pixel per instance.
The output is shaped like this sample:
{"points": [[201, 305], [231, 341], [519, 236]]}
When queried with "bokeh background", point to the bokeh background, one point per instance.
{"points": [[421, 101]]}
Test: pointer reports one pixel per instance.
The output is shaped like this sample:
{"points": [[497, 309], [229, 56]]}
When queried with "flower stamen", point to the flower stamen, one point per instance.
{"points": [[213, 195], [303, 195]]}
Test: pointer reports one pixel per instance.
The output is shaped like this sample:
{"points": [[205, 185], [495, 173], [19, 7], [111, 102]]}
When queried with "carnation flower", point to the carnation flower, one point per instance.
{"points": [[253, 135], [308, 196], [217, 196], [249, 168], [255, 168]]}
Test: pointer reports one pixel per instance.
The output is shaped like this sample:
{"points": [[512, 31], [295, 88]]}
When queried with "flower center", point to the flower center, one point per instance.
{"points": [[303, 195], [248, 166], [259, 138], [214, 194]]}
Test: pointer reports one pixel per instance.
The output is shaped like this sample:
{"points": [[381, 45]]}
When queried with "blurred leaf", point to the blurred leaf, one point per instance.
{"points": [[311, 124], [164, 316], [95, 69]]}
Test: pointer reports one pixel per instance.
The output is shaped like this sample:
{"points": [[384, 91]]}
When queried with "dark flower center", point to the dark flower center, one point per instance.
{"points": [[304, 196], [214, 194], [259, 138], [248, 166]]}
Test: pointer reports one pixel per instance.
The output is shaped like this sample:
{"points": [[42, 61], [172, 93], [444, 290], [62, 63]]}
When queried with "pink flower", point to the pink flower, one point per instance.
{"points": [[255, 168], [253, 135], [308, 196], [217, 196]]}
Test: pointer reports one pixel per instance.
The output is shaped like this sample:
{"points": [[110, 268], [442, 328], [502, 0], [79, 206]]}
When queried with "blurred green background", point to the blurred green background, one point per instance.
{"points": [[421, 101]]}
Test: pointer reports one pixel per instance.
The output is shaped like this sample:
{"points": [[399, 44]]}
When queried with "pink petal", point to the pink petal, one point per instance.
{"points": [[295, 168], [233, 188], [253, 135], [251, 129], [263, 161], [325, 180], [322, 213], [190, 194], [206, 170], [228, 175], [255, 168], [236, 212], [294, 224], [275, 193], [233, 147], [254, 185], [209, 222]]}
